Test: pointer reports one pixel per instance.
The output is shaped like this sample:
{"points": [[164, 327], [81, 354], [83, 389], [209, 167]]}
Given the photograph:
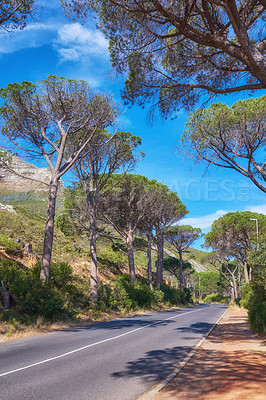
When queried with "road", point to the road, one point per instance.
{"points": [[116, 360]]}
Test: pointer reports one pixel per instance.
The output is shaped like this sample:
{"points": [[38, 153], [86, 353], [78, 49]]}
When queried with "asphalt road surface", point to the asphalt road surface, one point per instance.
{"points": [[116, 360]]}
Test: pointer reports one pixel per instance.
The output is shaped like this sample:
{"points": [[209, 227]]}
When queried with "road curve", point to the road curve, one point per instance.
{"points": [[116, 360]]}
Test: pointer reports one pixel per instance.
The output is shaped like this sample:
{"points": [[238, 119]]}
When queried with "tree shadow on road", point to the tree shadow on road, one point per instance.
{"points": [[155, 365]]}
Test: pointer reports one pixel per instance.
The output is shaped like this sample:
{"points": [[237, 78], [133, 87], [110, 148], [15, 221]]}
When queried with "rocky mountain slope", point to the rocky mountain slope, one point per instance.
{"points": [[21, 175]]}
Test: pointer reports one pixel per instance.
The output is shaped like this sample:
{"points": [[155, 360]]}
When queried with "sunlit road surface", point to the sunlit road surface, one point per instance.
{"points": [[113, 360]]}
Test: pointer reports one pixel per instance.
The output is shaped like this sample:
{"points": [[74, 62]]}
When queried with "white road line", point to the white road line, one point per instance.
{"points": [[94, 344]]}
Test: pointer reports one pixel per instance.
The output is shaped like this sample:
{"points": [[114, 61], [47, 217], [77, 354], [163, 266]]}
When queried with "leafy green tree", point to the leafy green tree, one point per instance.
{"points": [[230, 137], [53, 120], [233, 236], [123, 207], [163, 208], [254, 294], [207, 283], [101, 158], [172, 265], [14, 14], [226, 268], [181, 237], [176, 52]]}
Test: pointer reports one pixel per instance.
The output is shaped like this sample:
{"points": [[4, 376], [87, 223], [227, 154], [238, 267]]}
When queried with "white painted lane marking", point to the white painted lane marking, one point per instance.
{"points": [[94, 344]]}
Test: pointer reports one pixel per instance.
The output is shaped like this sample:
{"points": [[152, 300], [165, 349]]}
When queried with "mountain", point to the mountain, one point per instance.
{"points": [[22, 175]]}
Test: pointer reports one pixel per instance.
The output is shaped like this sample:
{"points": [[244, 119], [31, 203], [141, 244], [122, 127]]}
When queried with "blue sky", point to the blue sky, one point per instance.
{"points": [[52, 44]]}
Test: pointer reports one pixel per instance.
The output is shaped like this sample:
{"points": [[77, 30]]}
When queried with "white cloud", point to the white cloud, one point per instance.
{"points": [[33, 35], [258, 209], [124, 122], [202, 222], [77, 41], [206, 221], [68, 54]]}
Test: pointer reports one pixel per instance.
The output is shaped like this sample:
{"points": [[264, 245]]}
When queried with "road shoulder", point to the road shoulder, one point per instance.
{"points": [[230, 364]]}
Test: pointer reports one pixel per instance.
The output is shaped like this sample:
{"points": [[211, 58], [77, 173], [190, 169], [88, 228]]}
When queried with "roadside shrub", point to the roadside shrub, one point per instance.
{"points": [[61, 274], [215, 298], [257, 318], [127, 296], [158, 297], [188, 293], [29, 294], [248, 296], [173, 295]]}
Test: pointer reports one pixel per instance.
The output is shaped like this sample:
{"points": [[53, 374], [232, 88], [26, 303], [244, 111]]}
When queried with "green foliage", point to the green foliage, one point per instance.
{"points": [[111, 260], [64, 224], [176, 64], [124, 295], [182, 236], [215, 298], [208, 283], [54, 300], [15, 14], [174, 296], [254, 294], [30, 229], [257, 318], [172, 265], [230, 137], [127, 296], [11, 246]]}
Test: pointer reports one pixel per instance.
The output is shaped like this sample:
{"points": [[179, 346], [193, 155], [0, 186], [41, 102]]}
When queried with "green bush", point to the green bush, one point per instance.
{"points": [[248, 296], [63, 223], [173, 295], [60, 297], [29, 294], [127, 296], [257, 318], [215, 298], [61, 274], [10, 245]]}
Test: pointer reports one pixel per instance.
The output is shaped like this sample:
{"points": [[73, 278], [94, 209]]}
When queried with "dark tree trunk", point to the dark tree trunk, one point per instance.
{"points": [[149, 236], [181, 270], [159, 272], [49, 231], [130, 254], [250, 273]]}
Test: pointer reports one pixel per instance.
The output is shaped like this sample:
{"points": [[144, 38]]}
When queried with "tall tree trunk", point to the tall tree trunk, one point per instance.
{"points": [[130, 254], [234, 286], [232, 291], [149, 236], [159, 269], [181, 270], [93, 250], [49, 231], [245, 268]]}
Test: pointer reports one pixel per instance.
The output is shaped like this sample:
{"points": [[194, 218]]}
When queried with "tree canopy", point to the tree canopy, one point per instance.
{"points": [[14, 14], [54, 120], [177, 51], [230, 137], [234, 234], [104, 155], [181, 237]]}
